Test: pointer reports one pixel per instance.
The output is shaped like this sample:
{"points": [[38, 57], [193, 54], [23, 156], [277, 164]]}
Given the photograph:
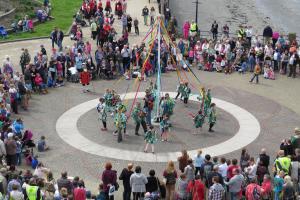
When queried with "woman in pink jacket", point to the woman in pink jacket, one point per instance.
{"points": [[186, 29]]}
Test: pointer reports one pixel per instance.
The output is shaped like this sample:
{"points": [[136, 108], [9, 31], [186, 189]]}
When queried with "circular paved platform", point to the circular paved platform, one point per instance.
{"points": [[66, 128]]}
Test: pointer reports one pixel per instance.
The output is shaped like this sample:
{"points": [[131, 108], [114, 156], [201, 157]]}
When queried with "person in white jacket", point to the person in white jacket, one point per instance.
{"points": [[138, 183], [251, 169]]}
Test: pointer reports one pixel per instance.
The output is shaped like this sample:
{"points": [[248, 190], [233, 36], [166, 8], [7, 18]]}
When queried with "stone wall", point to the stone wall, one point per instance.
{"points": [[6, 18]]}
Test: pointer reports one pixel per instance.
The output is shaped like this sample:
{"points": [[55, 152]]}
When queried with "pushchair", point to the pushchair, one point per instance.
{"points": [[72, 75]]}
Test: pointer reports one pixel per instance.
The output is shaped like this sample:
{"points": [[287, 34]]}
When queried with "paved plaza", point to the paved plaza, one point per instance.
{"points": [[249, 115]]}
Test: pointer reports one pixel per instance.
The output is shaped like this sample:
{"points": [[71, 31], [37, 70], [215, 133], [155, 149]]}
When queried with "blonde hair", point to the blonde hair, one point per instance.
{"points": [[170, 167], [288, 180]]}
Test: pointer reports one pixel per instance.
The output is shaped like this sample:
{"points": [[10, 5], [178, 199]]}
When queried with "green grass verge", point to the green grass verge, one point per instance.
{"points": [[62, 11]]}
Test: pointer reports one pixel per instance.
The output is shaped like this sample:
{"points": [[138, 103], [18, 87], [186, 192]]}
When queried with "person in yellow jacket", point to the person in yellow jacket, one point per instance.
{"points": [[256, 73], [193, 29], [282, 163], [32, 191]]}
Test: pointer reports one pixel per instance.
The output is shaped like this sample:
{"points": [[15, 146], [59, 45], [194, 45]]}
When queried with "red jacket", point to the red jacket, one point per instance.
{"points": [[197, 188], [85, 78]]}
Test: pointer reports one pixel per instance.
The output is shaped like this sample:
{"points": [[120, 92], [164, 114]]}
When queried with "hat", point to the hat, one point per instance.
{"points": [[10, 135], [297, 130]]}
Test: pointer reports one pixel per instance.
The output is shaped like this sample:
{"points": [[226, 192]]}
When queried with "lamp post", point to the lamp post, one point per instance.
{"points": [[197, 3]]}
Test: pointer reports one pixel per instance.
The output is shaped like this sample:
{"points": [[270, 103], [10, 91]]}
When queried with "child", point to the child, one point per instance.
{"points": [[42, 144], [101, 195], [19, 150], [136, 26], [150, 138], [212, 117], [266, 71], [179, 90], [256, 73], [101, 108], [198, 121], [85, 79], [164, 127], [271, 74], [186, 92], [120, 123], [278, 184], [127, 74]]}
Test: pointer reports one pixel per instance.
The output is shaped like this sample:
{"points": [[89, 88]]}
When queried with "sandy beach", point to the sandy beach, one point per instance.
{"points": [[257, 13]]}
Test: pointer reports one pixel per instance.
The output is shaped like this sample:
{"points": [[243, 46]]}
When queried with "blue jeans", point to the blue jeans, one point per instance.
{"points": [[19, 158], [234, 195], [276, 195], [126, 194], [59, 44], [148, 116]]}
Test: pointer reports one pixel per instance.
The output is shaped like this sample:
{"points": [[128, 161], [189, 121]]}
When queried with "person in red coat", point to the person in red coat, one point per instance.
{"points": [[85, 79], [197, 188]]}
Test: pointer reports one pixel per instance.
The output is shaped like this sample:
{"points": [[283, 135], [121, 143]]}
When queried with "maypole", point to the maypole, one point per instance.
{"points": [[158, 81]]}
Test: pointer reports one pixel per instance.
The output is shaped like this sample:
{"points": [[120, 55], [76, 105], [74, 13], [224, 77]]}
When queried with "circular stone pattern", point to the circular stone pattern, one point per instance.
{"points": [[66, 127], [180, 135]]}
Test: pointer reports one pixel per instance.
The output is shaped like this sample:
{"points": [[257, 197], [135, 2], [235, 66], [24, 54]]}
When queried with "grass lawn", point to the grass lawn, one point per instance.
{"points": [[62, 11]]}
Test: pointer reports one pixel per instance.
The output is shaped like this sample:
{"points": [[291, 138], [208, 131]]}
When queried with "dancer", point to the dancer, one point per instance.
{"points": [[108, 99], [101, 108], [207, 102], [138, 115], [198, 121], [120, 123], [150, 138], [186, 92], [167, 105], [85, 80], [212, 117], [179, 90], [165, 128], [148, 105]]}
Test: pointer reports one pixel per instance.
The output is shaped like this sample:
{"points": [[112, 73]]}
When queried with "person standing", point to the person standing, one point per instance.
{"points": [[136, 26], [125, 177], [253, 190], [138, 115], [214, 30], [93, 29], [196, 188], [235, 184], [138, 183], [148, 106], [257, 71], [126, 53], [129, 23], [212, 117], [198, 161], [120, 123], [102, 110], [11, 150], [292, 65], [216, 191], [150, 138], [145, 14], [124, 23], [109, 179], [59, 38], [183, 160], [24, 60], [185, 93], [170, 175], [85, 79]]}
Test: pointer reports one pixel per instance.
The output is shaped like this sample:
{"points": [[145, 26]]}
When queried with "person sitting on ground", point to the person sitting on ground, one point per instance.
{"points": [[42, 144]]}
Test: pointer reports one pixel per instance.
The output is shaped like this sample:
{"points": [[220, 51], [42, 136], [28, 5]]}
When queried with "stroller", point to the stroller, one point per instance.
{"points": [[72, 75]]}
